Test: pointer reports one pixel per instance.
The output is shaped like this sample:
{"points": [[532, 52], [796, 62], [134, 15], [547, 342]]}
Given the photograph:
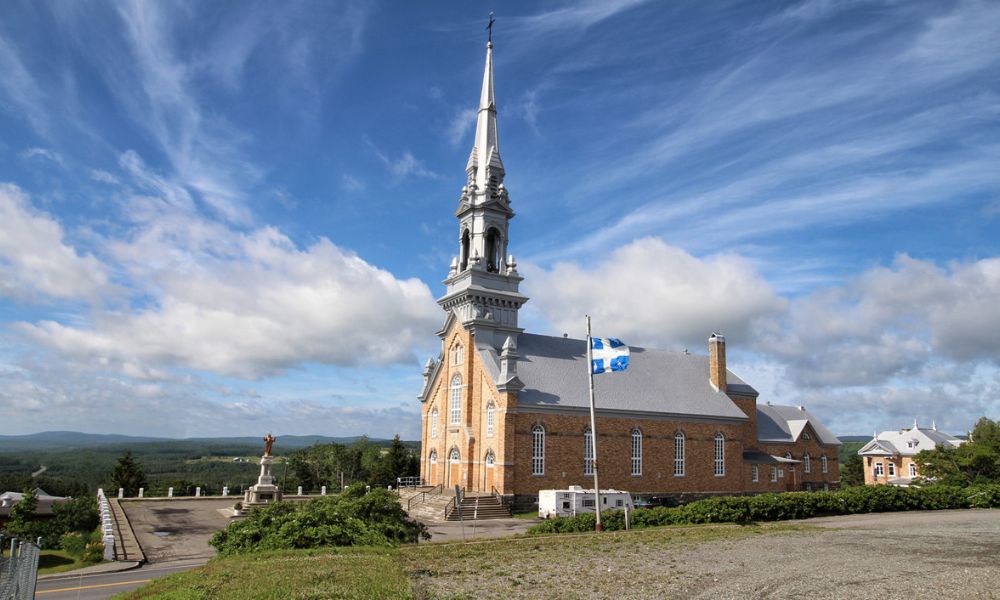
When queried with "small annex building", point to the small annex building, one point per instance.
{"points": [[506, 412], [888, 457]]}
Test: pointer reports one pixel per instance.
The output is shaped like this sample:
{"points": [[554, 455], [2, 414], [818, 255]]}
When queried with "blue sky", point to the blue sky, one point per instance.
{"points": [[229, 218]]}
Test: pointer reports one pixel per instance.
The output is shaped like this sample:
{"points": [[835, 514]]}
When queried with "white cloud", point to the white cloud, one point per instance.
{"points": [[19, 92], [461, 124], [891, 324], [43, 153], [248, 305], [103, 177], [35, 259], [352, 184], [404, 166], [649, 293]]}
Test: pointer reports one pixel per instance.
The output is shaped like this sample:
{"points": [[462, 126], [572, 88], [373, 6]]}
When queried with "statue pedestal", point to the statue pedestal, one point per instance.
{"points": [[264, 491]]}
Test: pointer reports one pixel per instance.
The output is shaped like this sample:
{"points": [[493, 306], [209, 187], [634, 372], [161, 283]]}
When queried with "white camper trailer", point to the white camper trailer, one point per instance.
{"points": [[576, 500]]}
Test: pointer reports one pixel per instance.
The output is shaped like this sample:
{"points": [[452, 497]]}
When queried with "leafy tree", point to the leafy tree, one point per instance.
{"points": [[23, 523], [76, 515], [128, 474], [852, 471], [974, 462]]}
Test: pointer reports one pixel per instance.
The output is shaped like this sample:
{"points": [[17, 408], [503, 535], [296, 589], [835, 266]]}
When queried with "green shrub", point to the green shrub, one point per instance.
{"points": [[790, 505], [352, 518], [73, 543], [94, 552]]}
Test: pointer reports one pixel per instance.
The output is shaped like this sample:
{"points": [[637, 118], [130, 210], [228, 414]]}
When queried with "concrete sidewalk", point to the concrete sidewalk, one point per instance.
{"points": [[100, 568]]}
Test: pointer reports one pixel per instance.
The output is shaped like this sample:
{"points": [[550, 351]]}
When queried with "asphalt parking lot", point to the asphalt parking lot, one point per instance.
{"points": [[173, 530]]}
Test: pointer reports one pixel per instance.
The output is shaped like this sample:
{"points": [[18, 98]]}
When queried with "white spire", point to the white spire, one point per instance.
{"points": [[486, 148]]}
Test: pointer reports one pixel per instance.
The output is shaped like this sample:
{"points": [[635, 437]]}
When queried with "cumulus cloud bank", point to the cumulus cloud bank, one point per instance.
{"points": [[35, 259], [263, 307], [650, 293], [891, 322]]}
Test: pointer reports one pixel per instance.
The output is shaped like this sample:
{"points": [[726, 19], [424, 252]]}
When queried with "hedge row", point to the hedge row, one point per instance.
{"points": [[790, 505]]}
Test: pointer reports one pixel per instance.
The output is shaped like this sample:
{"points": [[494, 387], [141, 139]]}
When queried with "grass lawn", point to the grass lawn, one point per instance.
{"points": [[585, 564], [57, 561], [528, 514]]}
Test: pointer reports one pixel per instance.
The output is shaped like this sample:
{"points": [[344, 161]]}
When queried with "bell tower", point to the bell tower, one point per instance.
{"points": [[482, 283]]}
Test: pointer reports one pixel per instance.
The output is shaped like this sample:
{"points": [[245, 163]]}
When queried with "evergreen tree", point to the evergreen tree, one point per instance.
{"points": [[128, 475], [852, 471]]}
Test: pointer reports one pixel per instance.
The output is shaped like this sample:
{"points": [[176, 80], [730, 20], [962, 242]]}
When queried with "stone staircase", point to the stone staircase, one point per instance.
{"points": [[429, 506], [479, 507]]}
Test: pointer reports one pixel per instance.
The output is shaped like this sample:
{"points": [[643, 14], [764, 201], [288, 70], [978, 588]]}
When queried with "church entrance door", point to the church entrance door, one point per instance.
{"points": [[454, 468], [490, 462]]}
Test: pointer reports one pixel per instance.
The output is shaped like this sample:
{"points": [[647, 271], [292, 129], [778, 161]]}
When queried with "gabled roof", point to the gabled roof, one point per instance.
{"points": [[878, 448], [778, 423], [908, 442], [554, 373]]}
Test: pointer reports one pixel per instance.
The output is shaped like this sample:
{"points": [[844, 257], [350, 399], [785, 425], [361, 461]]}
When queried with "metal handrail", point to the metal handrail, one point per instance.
{"points": [[422, 496], [450, 507]]}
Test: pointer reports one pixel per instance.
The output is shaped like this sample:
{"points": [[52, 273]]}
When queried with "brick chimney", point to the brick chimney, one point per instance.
{"points": [[717, 361]]}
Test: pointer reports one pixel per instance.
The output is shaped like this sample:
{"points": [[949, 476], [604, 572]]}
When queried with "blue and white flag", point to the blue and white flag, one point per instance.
{"points": [[608, 354]]}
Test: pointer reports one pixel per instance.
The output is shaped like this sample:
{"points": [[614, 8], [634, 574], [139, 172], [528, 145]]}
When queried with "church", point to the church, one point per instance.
{"points": [[507, 412]]}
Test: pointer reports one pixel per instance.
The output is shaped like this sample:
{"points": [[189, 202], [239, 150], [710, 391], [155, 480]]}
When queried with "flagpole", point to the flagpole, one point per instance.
{"points": [[593, 428]]}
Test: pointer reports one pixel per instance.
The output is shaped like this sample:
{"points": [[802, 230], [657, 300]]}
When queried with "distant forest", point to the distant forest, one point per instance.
{"points": [[181, 464]]}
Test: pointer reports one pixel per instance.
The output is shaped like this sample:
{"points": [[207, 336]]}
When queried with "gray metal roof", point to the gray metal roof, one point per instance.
{"points": [[554, 373], [778, 423]]}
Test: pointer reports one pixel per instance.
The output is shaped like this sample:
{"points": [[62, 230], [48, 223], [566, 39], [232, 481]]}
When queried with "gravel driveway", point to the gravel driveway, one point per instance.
{"points": [[935, 554], [940, 554]]}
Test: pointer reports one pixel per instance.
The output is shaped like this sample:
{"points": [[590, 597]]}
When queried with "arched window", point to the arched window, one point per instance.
{"points": [[588, 452], [491, 459], [434, 422], [457, 354], [636, 452], [464, 260], [434, 457], [720, 455], [493, 250], [455, 405], [454, 457], [806, 464], [537, 450], [490, 418], [822, 463], [679, 454]]}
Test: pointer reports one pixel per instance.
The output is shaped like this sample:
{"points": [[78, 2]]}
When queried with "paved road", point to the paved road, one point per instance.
{"points": [[174, 537], [105, 585]]}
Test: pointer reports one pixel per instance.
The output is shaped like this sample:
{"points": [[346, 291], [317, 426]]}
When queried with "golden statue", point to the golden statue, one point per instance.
{"points": [[268, 442]]}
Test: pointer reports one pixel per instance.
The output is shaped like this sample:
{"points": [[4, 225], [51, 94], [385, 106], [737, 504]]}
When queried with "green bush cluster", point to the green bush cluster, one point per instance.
{"points": [[791, 505], [352, 518], [87, 547]]}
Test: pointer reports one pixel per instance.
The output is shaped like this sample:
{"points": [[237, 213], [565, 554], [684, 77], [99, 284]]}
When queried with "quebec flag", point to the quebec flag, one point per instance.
{"points": [[608, 354]]}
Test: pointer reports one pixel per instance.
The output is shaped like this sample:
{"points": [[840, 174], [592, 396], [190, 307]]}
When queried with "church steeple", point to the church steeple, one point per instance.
{"points": [[484, 160], [482, 284]]}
